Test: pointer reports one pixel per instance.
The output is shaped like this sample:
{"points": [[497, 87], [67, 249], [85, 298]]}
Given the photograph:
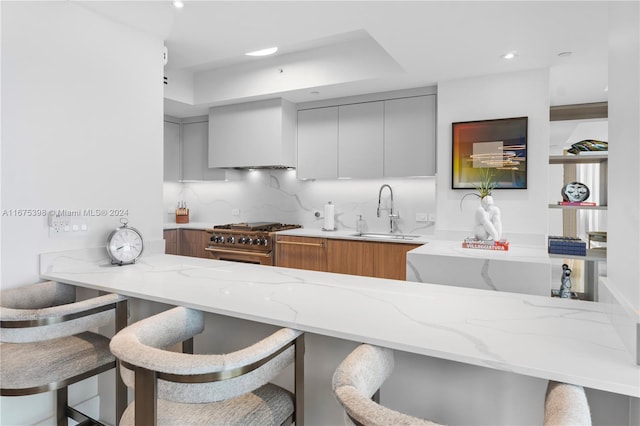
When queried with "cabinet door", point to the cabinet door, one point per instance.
{"points": [[318, 143], [350, 257], [301, 253], [195, 142], [171, 241], [171, 151], [360, 140], [193, 243], [390, 260], [410, 136]]}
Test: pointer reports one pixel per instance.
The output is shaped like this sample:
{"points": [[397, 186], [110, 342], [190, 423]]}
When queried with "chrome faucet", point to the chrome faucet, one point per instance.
{"points": [[392, 215]]}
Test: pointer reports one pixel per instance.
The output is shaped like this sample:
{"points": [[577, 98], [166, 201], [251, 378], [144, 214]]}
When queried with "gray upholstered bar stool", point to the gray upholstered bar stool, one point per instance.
{"points": [[359, 377], [47, 344], [173, 388], [566, 404]]}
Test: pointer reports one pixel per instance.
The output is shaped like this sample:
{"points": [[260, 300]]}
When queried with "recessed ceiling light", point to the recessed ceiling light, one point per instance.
{"points": [[509, 55], [563, 54], [178, 4], [263, 52]]}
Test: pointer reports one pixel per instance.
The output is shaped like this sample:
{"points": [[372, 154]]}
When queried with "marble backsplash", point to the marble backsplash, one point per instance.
{"points": [[276, 195]]}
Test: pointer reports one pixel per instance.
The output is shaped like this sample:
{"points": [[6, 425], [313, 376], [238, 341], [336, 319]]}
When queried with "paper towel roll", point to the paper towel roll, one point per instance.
{"points": [[329, 217]]}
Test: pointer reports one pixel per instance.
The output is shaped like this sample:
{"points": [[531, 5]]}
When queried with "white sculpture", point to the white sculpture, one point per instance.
{"points": [[488, 223]]}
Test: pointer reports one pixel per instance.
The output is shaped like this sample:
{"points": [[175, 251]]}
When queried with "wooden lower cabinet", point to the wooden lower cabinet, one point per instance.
{"points": [[371, 259], [193, 242], [186, 242], [390, 260], [171, 241], [350, 257], [301, 253]]}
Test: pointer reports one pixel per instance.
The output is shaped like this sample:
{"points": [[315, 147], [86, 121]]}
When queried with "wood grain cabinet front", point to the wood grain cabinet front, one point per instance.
{"points": [[171, 241], [301, 253], [364, 258]]}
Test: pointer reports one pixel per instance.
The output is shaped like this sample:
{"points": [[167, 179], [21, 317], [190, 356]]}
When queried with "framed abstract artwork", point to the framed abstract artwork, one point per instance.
{"points": [[494, 147]]}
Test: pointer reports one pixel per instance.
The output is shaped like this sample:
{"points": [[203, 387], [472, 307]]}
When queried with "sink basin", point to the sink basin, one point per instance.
{"points": [[386, 236]]}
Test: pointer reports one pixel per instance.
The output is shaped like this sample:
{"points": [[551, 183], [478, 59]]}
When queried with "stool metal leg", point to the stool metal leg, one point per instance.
{"points": [[299, 381], [146, 401], [61, 407], [121, 388]]}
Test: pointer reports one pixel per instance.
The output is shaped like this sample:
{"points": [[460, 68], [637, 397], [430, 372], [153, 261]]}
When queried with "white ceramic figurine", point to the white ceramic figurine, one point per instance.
{"points": [[488, 222]]}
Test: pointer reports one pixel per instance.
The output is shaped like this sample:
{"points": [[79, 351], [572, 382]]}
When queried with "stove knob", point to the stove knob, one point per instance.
{"points": [[248, 241], [231, 239], [241, 240], [219, 239], [256, 242], [265, 242]]}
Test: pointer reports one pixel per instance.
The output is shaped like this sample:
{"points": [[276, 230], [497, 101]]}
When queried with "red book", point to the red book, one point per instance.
{"points": [[472, 243], [576, 203]]}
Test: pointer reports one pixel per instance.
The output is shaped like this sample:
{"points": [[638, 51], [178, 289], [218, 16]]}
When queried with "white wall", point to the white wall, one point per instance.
{"points": [[81, 129], [624, 152], [516, 94]]}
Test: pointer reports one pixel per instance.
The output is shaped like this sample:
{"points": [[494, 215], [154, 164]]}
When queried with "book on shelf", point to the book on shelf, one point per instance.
{"points": [[474, 243], [577, 203]]}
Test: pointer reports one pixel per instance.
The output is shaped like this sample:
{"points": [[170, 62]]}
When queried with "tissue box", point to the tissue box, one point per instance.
{"points": [[567, 245]]}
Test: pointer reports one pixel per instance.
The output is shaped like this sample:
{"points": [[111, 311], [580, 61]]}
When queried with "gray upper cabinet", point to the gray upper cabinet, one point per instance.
{"points": [[386, 138], [253, 134], [360, 140], [410, 136], [195, 143], [318, 143], [171, 151]]}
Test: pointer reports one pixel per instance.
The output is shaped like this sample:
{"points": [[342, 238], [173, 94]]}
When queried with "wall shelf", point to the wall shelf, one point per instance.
{"points": [[592, 255], [559, 206], [579, 159]]}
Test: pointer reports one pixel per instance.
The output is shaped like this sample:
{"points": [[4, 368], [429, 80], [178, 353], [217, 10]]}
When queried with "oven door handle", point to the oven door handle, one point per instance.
{"points": [[227, 251]]}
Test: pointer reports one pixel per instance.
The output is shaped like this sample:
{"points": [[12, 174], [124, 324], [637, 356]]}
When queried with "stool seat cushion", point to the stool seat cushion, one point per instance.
{"points": [[267, 405], [52, 364]]}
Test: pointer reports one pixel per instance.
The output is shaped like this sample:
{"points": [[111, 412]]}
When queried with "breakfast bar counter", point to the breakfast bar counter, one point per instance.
{"points": [[518, 333]]}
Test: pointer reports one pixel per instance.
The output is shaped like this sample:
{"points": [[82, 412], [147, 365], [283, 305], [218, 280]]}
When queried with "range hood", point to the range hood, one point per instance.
{"points": [[253, 135]]}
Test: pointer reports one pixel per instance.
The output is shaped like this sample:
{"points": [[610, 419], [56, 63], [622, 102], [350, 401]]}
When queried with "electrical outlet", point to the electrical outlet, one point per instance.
{"points": [[66, 224], [421, 217], [235, 212]]}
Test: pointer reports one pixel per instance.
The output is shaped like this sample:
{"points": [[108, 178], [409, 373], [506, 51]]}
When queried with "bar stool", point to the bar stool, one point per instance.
{"points": [[566, 404], [357, 381], [356, 384], [47, 345], [181, 388]]}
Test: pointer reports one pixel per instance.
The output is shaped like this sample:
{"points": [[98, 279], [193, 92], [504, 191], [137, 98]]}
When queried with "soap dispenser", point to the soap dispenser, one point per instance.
{"points": [[360, 224]]}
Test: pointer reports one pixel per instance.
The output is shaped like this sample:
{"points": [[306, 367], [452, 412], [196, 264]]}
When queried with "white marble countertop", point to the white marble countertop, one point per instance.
{"points": [[565, 340], [351, 235], [190, 225]]}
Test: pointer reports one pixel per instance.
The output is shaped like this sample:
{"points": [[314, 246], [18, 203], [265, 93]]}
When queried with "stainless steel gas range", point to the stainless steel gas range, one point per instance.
{"points": [[252, 242]]}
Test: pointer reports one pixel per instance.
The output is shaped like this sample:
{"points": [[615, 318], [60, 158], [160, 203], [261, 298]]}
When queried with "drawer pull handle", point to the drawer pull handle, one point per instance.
{"points": [[295, 243]]}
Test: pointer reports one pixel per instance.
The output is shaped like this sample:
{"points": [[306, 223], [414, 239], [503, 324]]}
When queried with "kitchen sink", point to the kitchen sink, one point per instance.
{"points": [[385, 236]]}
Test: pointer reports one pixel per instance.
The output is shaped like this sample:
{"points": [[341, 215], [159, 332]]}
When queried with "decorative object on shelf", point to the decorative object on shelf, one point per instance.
{"points": [[567, 245], [588, 145], [565, 285], [488, 223], [499, 145], [124, 244], [597, 237], [575, 192], [474, 243]]}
